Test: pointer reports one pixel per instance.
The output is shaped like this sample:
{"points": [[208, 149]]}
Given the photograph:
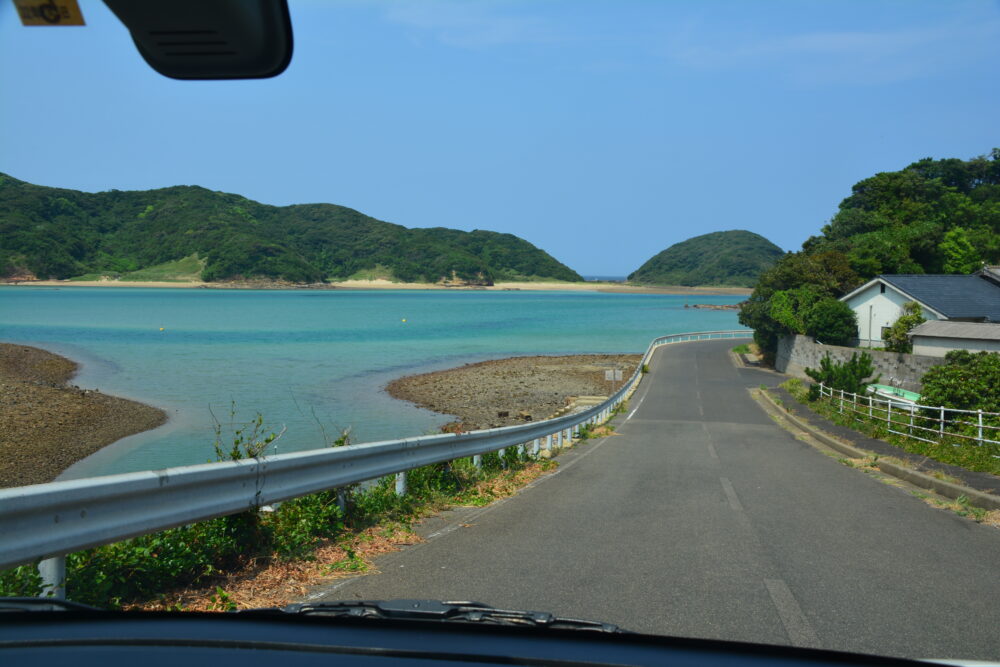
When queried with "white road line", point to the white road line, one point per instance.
{"points": [[734, 501], [800, 632]]}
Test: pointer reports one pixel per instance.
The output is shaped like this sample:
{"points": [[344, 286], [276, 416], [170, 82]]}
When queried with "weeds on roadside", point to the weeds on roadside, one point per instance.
{"points": [[955, 451], [146, 568]]}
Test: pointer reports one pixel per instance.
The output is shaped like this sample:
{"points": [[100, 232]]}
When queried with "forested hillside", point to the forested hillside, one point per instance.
{"points": [[934, 216], [734, 258], [56, 233]]}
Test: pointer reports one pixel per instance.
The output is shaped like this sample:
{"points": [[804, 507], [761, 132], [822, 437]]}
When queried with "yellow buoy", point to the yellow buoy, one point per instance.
{"points": [[404, 319], [161, 328]]}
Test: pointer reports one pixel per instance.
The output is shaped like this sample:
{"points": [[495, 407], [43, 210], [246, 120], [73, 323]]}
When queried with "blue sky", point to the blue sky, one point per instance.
{"points": [[602, 132]]}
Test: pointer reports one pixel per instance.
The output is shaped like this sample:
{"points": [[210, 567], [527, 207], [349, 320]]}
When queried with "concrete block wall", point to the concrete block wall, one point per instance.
{"points": [[796, 353]]}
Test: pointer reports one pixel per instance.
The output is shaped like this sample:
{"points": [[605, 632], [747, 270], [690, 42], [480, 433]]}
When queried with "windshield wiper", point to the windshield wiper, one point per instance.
{"points": [[437, 610]]}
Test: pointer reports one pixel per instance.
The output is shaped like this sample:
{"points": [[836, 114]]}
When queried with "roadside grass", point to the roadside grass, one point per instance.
{"points": [[963, 508], [978, 458], [743, 348], [268, 558]]}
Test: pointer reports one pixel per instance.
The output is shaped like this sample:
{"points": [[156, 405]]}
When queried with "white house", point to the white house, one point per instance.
{"points": [[935, 339], [879, 302]]}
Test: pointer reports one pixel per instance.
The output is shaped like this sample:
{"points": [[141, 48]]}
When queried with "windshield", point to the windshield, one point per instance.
{"points": [[454, 217]]}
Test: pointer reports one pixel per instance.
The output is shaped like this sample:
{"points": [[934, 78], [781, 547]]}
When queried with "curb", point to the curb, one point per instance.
{"points": [[975, 497]]}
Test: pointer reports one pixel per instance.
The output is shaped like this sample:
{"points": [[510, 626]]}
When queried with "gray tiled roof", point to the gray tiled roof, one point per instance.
{"points": [[952, 296], [946, 329]]}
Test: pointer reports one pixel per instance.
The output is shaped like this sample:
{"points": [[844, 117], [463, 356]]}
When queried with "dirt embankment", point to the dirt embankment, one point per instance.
{"points": [[511, 391], [47, 425]]}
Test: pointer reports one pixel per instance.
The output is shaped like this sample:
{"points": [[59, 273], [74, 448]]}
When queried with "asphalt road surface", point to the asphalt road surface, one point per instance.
{"points": [[703, 518]]}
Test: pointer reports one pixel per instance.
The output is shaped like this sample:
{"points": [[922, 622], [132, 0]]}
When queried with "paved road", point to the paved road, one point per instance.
{"points": [[704, 519]]}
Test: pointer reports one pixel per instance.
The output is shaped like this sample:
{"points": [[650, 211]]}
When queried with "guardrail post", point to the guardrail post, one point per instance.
{"points": [[888, 415], [500, 453], [941, 424], [53, 573], [477, 460], [400, 483], [342, 502], [841, 400], [869, 406], [979, 433], [536, 446]]}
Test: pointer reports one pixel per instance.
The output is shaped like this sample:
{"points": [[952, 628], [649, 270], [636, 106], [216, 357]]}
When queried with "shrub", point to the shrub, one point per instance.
{"points": [[966, 381], [849, 376]]}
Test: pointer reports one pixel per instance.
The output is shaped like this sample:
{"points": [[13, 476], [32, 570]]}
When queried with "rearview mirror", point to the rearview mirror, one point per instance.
{"points": [[210, 39]]}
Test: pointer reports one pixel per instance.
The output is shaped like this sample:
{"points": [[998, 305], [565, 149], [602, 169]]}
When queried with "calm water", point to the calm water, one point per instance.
{"points": [[311, 361]]}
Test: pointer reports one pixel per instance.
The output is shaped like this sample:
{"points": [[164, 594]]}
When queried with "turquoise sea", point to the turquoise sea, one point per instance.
{"points": [[311, 361]]}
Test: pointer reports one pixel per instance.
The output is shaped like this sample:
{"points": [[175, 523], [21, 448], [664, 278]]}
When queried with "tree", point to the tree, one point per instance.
{"points": [[898, 338], [825, 273], [832, 322], [850, 376], [959, 254], [789, 307]]}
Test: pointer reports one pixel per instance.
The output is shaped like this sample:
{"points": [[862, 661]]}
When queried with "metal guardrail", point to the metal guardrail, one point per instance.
{"points": [[49, 520]]}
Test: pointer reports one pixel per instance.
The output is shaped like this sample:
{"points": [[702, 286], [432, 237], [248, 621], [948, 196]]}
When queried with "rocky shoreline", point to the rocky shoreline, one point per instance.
{"points": [[46, 425], [511, 391]]}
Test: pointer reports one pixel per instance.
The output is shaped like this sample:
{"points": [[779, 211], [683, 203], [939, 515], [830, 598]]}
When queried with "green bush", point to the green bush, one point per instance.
{"points": [[813, 394], [966, 381], [849, 376]]}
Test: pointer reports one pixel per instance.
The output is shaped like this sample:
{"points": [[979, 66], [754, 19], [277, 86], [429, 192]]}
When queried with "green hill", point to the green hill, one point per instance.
{"points": [[56, 233], [733, 258]]}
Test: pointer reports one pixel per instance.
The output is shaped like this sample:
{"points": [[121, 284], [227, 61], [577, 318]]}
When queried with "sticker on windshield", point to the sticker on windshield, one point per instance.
{"points": [[49, 12]]}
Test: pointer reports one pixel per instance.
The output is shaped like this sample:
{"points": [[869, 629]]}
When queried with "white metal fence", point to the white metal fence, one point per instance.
{"points": [[46, 521], [921, 422]]}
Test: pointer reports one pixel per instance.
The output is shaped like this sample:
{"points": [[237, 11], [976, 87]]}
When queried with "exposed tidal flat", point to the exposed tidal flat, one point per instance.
{"points": [[516, 390], [314, 362], [46, 424]]}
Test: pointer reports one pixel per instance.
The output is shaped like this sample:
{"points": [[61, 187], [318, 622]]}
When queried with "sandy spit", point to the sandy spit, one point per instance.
{"points": [[611, 288], [511, 391], [46, 424]]}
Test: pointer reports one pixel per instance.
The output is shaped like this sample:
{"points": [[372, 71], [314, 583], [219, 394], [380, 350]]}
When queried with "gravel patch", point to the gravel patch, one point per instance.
{"points": [[511, 391], [47, 425]]}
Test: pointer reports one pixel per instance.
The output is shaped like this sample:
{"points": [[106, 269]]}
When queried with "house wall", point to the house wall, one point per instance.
{"points": [[938, 347], [884, 309], [796, 353]]}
